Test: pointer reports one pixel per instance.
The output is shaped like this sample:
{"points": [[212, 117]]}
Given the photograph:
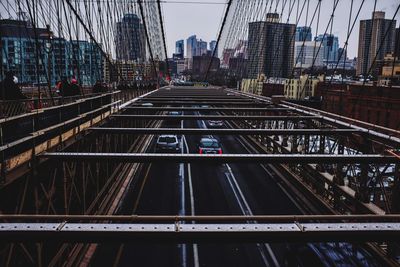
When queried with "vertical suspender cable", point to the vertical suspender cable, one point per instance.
{"points": [[219, 38], [147, 36], [163, 36]]}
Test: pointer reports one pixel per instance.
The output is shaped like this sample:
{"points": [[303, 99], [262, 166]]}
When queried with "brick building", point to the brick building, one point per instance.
{"points": [[369, 103]]}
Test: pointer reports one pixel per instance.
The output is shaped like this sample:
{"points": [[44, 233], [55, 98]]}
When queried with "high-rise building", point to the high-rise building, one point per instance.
{"points": [[397, 43], [376, 38], [303, 34], [191, 46], [306, 54], [213, 46], [270, 48], [130, 43], [201, 49], [202, 63], [179, 47], [58, 58], [330, 47], [227, 54]]}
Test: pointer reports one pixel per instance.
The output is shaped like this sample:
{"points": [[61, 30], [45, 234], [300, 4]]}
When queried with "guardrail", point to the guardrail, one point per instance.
{"points": [[12, 108]]}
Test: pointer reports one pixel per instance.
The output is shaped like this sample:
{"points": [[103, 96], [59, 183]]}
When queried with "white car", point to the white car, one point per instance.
{"points": [[215, 123], [167, 143]]}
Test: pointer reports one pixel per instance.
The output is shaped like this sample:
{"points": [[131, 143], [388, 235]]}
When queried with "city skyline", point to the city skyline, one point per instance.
{"points": [[208, 28]]}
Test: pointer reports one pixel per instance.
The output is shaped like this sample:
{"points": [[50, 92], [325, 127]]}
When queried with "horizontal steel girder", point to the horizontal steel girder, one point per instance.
{"points": [[236, 109], [217, 117], [223, 131], [328, 218], [210, 158], [189, 98], [191, 103], [188, 233]]}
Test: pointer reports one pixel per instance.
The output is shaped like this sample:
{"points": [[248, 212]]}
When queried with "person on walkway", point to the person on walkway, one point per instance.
{"points": [[9, 90], [99, 87], [64, 88], [75, 88]]}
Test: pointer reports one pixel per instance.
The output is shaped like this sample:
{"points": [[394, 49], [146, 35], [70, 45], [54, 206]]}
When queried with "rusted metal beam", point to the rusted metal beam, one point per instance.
{"points": [[194, 103], [216, 117], [217, 158], [235, 109], [224, 131]]}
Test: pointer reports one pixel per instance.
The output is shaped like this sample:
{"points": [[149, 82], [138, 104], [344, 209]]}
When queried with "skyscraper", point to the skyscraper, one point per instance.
{"points": [[270, 48], [213, 46], [330, 47], [397, 43], [306, 54], [130, 41], [303, 34], [373, 42], [191, 46], [201, 48], [179, 47]]}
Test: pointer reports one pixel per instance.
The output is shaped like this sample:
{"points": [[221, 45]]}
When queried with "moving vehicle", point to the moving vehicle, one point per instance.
{"points": [[167, 143], [147, 104], [209, 146], [215, 123], [174, 113]]}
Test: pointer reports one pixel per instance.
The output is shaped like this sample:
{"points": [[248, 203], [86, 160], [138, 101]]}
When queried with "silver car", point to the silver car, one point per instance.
{"points": [[167, 143], [215, 123]]}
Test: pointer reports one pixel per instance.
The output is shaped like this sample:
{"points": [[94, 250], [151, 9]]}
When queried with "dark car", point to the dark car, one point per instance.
{"points": [[209, 146], [167, 143]]}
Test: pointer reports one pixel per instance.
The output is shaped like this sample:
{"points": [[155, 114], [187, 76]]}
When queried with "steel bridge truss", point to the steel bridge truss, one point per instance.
{"points": [[348, 168]]}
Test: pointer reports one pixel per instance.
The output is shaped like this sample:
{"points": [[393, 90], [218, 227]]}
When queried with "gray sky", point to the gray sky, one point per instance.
{"points": [[183, 20]]}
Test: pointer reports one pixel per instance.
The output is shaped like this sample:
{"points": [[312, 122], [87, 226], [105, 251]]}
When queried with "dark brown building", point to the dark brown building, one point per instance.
{"points": [[270, 89], [397, 43], [201, 64], [369, 103]]}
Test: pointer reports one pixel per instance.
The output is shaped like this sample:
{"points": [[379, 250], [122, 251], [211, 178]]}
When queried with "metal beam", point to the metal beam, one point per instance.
{"points": [[203, 99], [195, 98], [191, 103], [216, 117], [224, 131], [201, 218], [197, 233], [194, 103], [236, 109], [217, 158]]}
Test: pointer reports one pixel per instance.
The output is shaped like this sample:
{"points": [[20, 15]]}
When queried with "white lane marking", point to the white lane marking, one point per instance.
{"points": [[246, 211], [191, 195], [182, 210], [192, 209]]}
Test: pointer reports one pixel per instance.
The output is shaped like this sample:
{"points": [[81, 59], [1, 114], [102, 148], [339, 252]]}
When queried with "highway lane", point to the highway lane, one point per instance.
{"points": [[264, 196], [215, 190], [156, 194], [212, 196]]}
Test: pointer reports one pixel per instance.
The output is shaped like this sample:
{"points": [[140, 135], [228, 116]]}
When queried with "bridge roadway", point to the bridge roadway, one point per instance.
{"points": [[219, 189]]}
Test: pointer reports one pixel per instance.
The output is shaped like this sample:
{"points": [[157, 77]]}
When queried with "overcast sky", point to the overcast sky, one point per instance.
{"points": [[183, 20]]}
